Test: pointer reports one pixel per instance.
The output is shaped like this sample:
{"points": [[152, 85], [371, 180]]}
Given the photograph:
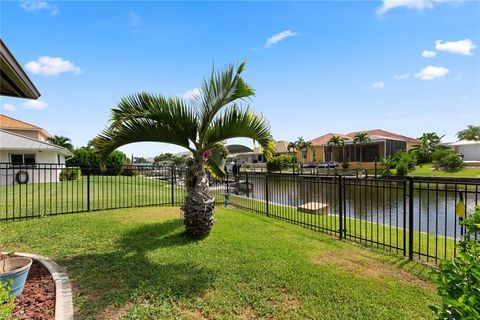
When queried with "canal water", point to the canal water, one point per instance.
{"points": [[379, 201]]}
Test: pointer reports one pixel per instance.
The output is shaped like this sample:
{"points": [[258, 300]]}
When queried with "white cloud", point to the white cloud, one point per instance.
{"points": [[280, 37], [464, 47], [35, 104], [388, 5], [404, 76], [9, 107], [432, 72], [52, 66], [36, 5], [429, 54], [378, 85], [191, 94]]}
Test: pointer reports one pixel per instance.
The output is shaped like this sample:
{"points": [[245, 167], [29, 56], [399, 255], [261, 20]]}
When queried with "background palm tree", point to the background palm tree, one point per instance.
{"points": [[361, 139], [471, 133], [200, 125], [429, 142], [336, 141], [61, 141], [303, 145]]}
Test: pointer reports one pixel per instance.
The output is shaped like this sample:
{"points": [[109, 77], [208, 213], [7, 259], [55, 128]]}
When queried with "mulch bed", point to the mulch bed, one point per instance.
{"points": [[37, 300]]}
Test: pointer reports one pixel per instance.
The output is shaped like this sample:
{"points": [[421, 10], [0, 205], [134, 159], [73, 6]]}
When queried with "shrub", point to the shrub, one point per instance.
{"points": [[345, 164], [459, 280], [279, 162], [402, 168], [90, 163], [446, 159], [128, 170], [6, 301], [70, 173]]}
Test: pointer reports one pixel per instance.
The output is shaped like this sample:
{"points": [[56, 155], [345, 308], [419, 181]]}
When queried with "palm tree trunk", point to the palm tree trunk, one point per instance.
{"points": [[199, 202]]}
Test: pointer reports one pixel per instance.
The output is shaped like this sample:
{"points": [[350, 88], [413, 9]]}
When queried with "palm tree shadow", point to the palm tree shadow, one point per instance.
{"points": [[127, 272]]}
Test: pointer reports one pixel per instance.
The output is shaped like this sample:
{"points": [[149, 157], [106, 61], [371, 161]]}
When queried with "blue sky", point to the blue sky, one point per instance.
{"points": [[328, 66]]}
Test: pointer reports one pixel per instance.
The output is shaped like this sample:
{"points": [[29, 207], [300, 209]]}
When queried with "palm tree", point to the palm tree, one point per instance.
{"points": [[291, 147], [472, 133], [200, 125], [336, 141], [361, 138], [61, 141], [303, 145], [429, 142]]}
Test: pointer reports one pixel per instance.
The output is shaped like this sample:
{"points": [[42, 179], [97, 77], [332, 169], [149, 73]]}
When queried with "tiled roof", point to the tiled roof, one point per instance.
{"points": [[383, 133], [322, 140], [11, 123]]}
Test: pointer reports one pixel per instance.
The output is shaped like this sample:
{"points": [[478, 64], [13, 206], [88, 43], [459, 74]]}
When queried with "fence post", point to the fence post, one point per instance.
{"points": [[410, 218], [340, 206], [405, 217], [247, 185], [171, 184], [88, 191], [376, 166], [226, 180], [266, 193]]}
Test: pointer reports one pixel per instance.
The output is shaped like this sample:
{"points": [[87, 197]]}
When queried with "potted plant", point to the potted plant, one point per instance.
{"points": [[15, 270]]}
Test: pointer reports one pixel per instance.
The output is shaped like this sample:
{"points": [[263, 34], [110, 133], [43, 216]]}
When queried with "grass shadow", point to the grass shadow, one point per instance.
{"points": [[118, 277]]}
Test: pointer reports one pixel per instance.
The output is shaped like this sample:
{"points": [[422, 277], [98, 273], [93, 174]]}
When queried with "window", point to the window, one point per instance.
{"points": [[22, 159], [314, 155], [58, 159]]}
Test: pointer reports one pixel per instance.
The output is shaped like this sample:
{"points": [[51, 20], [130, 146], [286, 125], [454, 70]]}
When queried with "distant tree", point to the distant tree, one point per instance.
{"points": [[334, 142], [429, 143], [361, 139], [303, 145], [61, 141], [139, 160], [89, 163], [291, 147], [164, 157], [471, 133]]}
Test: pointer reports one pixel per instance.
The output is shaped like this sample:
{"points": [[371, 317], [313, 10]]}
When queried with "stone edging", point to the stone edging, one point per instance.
{"points": [[63, 288]]}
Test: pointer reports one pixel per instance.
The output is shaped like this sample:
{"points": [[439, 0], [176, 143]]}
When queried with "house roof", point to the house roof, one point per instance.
{"points": [[320, 141], [14, 81], [464, 143], [7, 122], [16, 142], [281, 146], [383, 133], [376, 133]]}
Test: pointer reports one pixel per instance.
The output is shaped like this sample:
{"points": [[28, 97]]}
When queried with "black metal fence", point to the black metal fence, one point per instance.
{"points": [[416, 217]]}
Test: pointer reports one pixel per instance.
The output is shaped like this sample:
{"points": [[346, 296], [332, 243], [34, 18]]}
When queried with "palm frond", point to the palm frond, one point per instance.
{"points": [[145, 117], [222, 88], [237, 122], [216, 163]]}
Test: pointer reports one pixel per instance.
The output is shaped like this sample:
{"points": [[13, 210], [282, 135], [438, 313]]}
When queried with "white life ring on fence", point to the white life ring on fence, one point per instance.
{"points": [[22, 177]]}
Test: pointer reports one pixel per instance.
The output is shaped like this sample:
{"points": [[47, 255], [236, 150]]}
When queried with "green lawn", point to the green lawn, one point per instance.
{"points": [[137, 264], [427, 170], [372, 234], [71, 196]]}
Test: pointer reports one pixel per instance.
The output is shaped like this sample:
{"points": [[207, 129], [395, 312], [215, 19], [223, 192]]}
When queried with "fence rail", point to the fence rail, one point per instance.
{"points": [[415, 217]]}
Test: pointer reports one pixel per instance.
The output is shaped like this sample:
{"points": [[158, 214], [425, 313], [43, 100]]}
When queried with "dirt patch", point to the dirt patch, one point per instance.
{"points": [[115, 312], [37, 300], [365, 264], [192, 315], [247, 313], [289, 302]]}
